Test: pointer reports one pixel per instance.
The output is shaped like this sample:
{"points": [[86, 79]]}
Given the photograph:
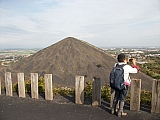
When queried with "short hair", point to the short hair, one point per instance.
{"points": [[121, 57]]}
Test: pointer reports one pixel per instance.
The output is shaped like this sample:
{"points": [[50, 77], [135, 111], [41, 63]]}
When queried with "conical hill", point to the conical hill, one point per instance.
{"points": [[66, 59]]}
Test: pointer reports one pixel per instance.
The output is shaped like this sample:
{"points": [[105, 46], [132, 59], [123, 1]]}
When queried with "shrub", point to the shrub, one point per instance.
{"points": [[99, 65], [146, 97], [106, 92], [27, 86], [88, 89], [41, 85], [63, 91], [15, 87]]}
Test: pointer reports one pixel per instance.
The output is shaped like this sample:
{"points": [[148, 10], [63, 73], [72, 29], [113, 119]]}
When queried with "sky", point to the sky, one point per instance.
{"points": [[103, 23]]}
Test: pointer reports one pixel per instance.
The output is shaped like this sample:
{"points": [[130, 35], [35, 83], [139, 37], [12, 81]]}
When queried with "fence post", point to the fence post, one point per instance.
{"points": [[135, 94], [112, 98], [21, 85], [155, 96], [8, 84], [96, 91], [34, 85], [48, 87], [79, 89], [0, 85]]}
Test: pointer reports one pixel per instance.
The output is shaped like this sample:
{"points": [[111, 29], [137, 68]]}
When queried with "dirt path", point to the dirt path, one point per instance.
{"points": [[61, 108]]}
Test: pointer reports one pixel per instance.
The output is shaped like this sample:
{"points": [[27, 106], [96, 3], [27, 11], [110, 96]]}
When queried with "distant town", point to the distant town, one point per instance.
{"points": [[8, 57], [139, 53]]}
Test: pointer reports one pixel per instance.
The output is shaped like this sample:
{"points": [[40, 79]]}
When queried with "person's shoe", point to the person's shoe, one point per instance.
{"points": [[120, 114], [124, 114], [114, 112]]}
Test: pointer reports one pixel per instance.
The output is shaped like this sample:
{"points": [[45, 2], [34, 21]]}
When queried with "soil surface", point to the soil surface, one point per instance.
{"points": [[62, 108]]}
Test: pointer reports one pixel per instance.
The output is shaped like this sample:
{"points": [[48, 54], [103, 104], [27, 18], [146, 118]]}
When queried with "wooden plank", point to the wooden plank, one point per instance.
{"points": [[34, 85], [8, 84], [96, 92], [154, 96], [21, 85], [48, 87], [155, 108], [79, 89], [158, 97], [0, 86], [135, 94], [112, 97]]}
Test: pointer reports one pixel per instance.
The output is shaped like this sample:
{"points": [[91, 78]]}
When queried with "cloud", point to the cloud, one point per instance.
{"points": [[102, 23]]}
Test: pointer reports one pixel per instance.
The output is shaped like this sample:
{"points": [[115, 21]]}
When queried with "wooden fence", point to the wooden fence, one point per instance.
{"points": [[96, 92], [79, 90], [21, 85], [155, 96]]}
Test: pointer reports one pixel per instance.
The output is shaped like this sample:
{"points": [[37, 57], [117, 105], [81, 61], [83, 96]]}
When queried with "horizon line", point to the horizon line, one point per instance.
{"points": [[102, 47]]}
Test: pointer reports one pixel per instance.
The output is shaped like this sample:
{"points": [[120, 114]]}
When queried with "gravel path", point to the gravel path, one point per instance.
{"points": [[61, 108]]}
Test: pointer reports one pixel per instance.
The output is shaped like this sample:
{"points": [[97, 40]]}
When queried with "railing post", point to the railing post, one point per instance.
{"points": [[96, 91], [135, 94], [79, 89], [48, 87], [21, 85], [112, 98], [8, 84], [34, 85], [0, 85], [155, 96]]}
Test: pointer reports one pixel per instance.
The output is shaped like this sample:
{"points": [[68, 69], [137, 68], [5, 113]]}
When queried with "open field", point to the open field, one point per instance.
{"points": [[18, 52]]}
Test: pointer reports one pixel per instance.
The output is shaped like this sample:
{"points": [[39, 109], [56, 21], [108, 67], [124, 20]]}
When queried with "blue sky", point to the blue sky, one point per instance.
{"points": [[40, 23]]}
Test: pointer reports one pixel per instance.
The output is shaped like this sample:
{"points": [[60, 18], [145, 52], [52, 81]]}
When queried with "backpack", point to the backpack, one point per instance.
{"points": [[117, 77]]}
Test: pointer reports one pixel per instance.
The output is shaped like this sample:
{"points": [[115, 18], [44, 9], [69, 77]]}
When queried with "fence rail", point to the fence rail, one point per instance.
{"points": [[0, 85], [8, 84], [21, 85], [155, 96], [96, 92], [34, 85], [135, 94], [79, 90]]}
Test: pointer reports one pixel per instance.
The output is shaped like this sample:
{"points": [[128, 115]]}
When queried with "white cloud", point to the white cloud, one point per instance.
{"points": [[105, 21]]}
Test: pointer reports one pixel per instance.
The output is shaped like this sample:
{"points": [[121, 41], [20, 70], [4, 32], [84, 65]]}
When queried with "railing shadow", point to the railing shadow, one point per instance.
{"points": [[105, 105], [28, 94], [142, 107], [71, 98], [42, 95], [145, 108]]}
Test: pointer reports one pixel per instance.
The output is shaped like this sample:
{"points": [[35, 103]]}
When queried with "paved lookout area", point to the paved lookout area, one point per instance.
{"points": [[62, 108]]}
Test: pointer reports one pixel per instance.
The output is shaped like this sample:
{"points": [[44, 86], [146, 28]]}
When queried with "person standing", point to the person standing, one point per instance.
{"points": [[120, 95]]}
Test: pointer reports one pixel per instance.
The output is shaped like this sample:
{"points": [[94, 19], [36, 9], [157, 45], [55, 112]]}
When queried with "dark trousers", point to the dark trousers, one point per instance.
{"points": [[121, 95]]}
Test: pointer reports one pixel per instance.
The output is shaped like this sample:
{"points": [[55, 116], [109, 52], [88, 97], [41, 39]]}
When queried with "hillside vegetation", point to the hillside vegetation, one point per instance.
{"points": [[152, 68]]}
